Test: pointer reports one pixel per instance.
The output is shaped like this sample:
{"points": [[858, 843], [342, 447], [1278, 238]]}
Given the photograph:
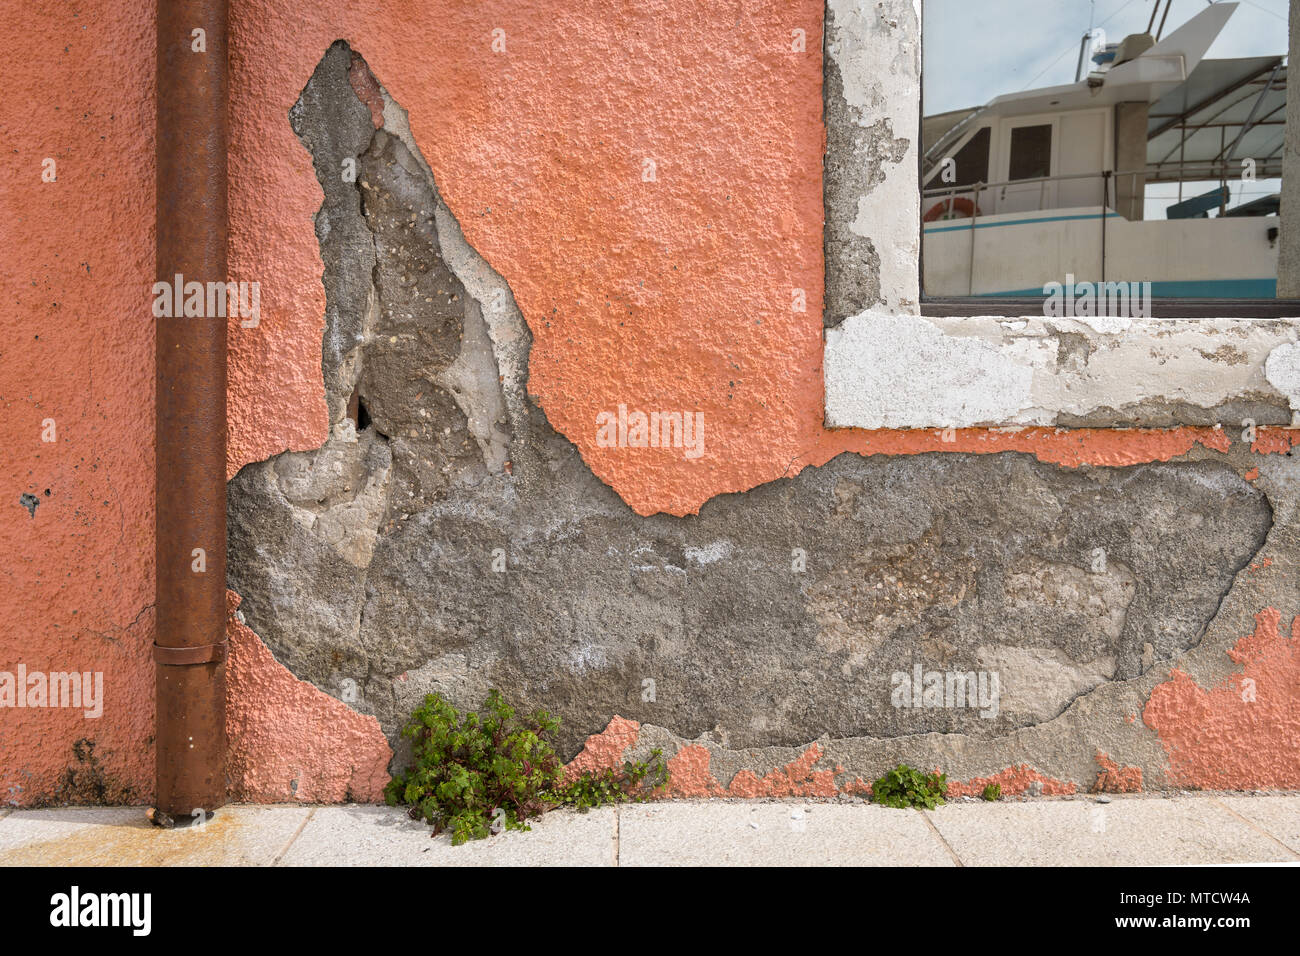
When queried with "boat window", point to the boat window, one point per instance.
{"points": [[970, 164], [1141, 148], [1031, 152]]}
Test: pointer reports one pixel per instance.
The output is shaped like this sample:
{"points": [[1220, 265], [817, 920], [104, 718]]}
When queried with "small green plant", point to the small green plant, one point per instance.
{"points": [[992, 792], [904, 787], [634, 782], [479, 773]]}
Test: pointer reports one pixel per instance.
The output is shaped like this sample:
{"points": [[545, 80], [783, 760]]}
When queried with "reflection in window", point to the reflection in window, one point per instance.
{"points": [[1155, 159], [970, 163]]}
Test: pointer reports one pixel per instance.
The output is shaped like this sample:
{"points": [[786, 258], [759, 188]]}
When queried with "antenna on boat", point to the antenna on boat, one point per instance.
{"points": [[1085, 44]]}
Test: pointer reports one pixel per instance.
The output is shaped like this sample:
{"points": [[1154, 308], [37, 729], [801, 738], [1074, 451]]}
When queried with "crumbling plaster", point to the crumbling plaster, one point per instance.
{"points": [[371, 563]]}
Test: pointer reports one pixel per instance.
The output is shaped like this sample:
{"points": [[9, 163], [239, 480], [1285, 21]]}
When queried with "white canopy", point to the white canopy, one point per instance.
{"points": [[1227, 111]]}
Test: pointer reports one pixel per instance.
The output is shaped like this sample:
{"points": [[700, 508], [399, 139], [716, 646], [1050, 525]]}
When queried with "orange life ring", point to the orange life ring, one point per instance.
{"points": [[958, 208]]}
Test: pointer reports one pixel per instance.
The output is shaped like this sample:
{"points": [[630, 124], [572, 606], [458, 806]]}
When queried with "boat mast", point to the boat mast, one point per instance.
{"points": [[1087, 39]]}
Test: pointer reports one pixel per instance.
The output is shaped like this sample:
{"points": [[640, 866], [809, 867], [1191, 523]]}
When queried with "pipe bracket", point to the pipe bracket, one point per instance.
{"points": [[182, 656]]}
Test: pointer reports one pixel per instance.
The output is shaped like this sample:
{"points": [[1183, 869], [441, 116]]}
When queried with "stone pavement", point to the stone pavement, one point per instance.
{"points": [[1198, 828]]}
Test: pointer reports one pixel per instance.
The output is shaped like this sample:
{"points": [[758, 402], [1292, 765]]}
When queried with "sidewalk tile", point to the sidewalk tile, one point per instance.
{"points": [[384, 836], [716, 833], [121, 836], [1280, 816], [1130, 831]]}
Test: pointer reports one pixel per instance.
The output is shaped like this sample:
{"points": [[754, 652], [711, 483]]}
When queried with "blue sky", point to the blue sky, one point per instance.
{"points": [[975, 50]]}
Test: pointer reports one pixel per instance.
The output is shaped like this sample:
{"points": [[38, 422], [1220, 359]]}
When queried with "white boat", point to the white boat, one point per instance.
{"points": [[1051, 183]]}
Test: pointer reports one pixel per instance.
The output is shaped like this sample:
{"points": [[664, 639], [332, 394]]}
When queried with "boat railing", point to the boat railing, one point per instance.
{"points": [[1191, 171], [1187, 172]]}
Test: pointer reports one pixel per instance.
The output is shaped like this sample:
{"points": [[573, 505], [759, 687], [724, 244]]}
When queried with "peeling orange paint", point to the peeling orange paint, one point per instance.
{"points": [[544, 171], [289, 741], [858, 788], [689, 774], [1013, 781], [691, 777], [646, 177], [1116, 779], [1275, 441], [795, 779], [606, 749], [1243, 733]]}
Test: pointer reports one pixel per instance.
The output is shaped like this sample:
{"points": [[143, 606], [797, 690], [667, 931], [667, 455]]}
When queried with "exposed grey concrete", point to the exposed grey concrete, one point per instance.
{"points": [[342, 131], [871, 62], [955, 563], [1066, 747]]}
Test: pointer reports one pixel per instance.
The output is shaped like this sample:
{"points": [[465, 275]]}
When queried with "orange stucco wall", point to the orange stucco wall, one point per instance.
{"points": [[672, 294], [669, 294], [76, 346]]}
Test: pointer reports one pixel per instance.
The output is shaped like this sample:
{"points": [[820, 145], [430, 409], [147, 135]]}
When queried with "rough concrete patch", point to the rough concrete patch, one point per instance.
{"points": [[547, 586], [871, 63], [335, 127], [1282, 369], [909, 372], [1043, 677], [885, 371], [500, 366]]}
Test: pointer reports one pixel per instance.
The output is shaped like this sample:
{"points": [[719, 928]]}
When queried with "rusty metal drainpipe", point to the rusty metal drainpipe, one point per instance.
{"points": [[190, 391]]}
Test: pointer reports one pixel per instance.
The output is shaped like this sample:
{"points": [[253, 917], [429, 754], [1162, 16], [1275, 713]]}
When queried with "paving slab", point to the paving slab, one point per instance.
{"points": [[121, 836], [1280, 816], [1125, 832], [783, 833], [1146, 830], [385, 836]]}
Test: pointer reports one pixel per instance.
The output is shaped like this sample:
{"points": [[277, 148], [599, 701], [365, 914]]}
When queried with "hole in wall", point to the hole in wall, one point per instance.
{"points": [[357, 410]]}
